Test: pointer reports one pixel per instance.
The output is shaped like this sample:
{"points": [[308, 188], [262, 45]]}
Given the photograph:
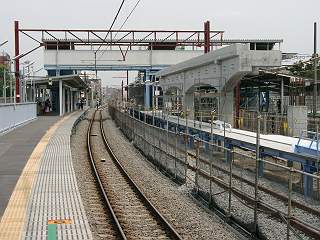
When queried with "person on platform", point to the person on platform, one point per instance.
{"points": [[81, 104], [46, 106], [98, 103]]}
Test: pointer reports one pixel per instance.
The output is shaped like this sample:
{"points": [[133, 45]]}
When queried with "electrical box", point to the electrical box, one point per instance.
{"points": [[297, 119]]}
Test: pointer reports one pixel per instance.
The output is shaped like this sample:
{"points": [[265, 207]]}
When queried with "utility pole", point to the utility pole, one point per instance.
{"points": [[4, 86], [315, 87], [122, 91], [127, 85]]}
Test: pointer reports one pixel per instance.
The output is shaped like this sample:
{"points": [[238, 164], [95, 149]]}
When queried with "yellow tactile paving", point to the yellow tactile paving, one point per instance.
{"points": [[13, 219]]}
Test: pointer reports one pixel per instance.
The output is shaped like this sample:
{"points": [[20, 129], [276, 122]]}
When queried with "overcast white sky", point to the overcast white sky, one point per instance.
{"points": [[291, 20]]}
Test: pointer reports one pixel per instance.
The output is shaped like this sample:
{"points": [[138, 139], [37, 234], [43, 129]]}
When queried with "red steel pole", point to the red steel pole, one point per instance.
{"points": [[206, 37], [17, 60]]}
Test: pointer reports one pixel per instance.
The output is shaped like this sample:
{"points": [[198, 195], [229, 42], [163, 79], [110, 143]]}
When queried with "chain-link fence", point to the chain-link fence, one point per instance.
{"points": [[230, 180]]}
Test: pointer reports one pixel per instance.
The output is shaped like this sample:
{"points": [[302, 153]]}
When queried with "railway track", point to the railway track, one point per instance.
{"points": [[262, 206], [132, 215]]}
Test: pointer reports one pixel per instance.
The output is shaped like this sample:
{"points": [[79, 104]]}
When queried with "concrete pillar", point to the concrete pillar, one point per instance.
{"points": [[226, 107], [156, 100], [70, 96], [60, 98], [147, 99], [87, 98], [189, 103], [72, 101], [63, 100], [147, 90], [281, 97], [68, 100], [92, 102]]}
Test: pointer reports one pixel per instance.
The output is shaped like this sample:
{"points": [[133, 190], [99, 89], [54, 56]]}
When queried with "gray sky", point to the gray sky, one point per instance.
{"points": [[291, 20]]}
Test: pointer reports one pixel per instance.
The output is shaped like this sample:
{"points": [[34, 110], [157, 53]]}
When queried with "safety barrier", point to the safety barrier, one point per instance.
{"points": [[79, 119], [14, 115]]}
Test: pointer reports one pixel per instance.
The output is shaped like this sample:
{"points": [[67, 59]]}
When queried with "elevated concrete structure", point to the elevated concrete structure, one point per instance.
{"points": [[112, 60], [67, 51], [219, 71]]}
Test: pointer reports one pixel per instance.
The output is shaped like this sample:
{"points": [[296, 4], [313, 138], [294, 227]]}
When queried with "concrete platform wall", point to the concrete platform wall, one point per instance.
{"points": [[13, 115]]}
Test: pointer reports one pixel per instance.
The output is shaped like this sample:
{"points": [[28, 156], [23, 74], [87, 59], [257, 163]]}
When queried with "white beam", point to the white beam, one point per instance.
{"points": [[113, 59]]}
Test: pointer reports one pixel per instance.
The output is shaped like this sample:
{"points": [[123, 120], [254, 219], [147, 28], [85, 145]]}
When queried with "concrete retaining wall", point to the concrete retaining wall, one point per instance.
{"points": [[14, 115]]}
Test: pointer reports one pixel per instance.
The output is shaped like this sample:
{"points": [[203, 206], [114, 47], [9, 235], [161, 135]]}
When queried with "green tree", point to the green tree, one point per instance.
{"points": [[8, 78], [304, 69]]}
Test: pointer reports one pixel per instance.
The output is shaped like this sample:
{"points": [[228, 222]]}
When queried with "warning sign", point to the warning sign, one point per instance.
{"points": [[60, 221]]}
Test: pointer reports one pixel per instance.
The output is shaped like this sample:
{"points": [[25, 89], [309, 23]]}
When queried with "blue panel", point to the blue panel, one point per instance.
{"points": [[306, 160], [307, 182], [229, 154], [260, 168], [52, 73], [66, 72], [147, 97]]}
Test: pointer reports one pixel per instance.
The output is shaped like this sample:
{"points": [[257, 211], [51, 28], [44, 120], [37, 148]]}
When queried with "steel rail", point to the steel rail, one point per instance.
{"points": [[97, 176], [307, 229], [299, 224], [149, 205], [277, 195]]}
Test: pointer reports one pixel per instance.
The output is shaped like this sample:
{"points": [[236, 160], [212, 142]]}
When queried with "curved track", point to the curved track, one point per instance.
{"points": [[133, 215]]}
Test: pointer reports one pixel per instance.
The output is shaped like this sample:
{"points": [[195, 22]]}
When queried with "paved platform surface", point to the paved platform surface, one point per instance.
{"points": [[15, 150], [46, 202]]}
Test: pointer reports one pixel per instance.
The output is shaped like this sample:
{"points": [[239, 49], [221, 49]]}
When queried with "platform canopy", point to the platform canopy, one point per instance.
{"points": [[74, 81]]}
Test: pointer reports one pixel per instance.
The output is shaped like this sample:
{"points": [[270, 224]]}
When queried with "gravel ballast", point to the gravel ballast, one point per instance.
{"points": [[96, 212], [172, 200]]}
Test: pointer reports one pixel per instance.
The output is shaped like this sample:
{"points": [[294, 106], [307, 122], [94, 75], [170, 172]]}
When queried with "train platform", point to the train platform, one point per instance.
{"points": [[15, 149], [45, 203]]}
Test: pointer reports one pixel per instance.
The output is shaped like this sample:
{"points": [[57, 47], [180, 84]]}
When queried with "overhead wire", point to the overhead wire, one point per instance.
{"points": [[127, 18], [125, 21], [113, 22]]}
